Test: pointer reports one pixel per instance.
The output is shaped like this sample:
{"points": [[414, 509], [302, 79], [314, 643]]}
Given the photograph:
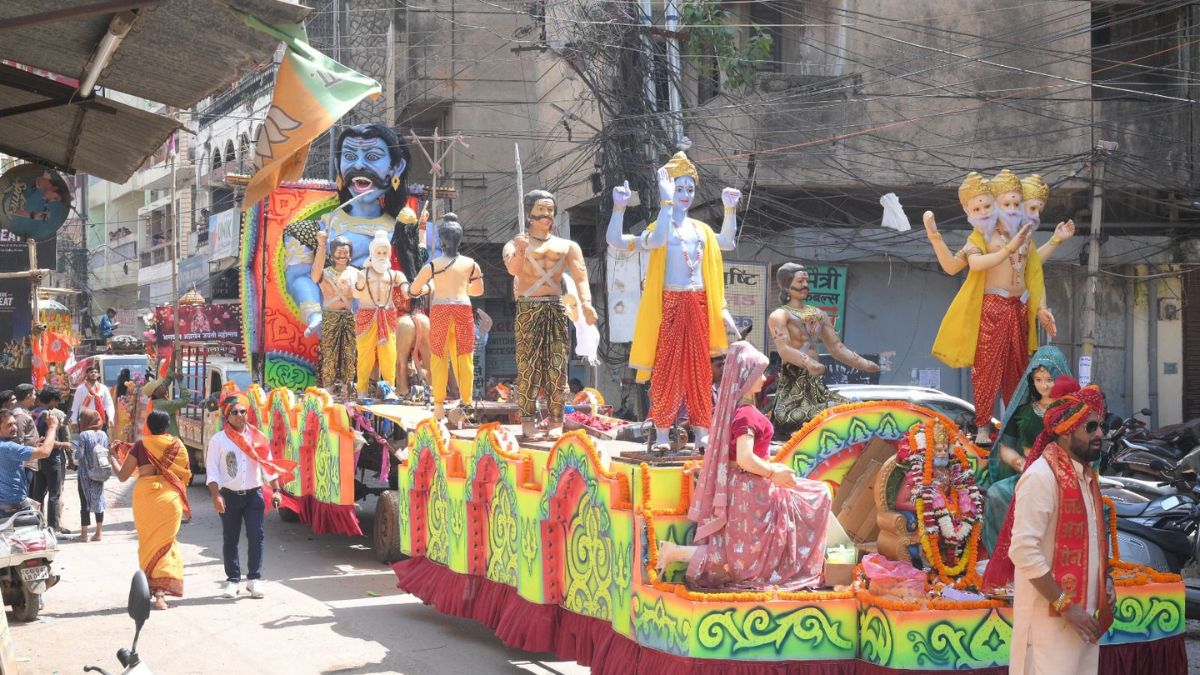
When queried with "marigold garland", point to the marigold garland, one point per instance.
{"points": [[966, 561], [1114, 549]]}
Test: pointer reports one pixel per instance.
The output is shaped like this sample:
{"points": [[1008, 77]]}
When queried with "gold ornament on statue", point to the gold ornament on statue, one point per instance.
{"points": [[680, 166], [396, 182], [941, 435], [972, 186], [407, 216], [1005, 181], [1034, 187]]}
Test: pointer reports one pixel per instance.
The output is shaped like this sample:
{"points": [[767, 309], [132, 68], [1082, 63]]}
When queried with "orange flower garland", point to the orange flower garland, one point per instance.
{"points": [[1114, 550], [966, 562]]}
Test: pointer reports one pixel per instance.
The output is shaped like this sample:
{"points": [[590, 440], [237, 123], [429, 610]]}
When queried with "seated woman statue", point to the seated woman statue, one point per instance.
{"points": [[1020, 428], [758, 526]]}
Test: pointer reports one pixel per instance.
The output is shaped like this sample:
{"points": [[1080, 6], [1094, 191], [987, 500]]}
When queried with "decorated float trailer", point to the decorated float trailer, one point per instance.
{"points": [[556, 552], [555, 548]]}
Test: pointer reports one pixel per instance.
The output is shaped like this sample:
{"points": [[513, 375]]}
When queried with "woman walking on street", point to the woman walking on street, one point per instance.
{"points": [[91, 451], [159, 502]]}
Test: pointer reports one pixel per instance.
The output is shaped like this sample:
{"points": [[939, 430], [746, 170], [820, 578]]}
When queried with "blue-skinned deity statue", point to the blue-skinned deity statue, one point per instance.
{"points": [[372, 165]]}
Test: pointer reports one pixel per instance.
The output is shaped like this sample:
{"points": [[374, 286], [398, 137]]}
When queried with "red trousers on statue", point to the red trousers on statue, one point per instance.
{"points": [[682, 370], [1001, 355]]}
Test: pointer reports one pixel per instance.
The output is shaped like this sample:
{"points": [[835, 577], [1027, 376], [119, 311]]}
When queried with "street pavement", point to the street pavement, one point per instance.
{"points": [[330, 608]]}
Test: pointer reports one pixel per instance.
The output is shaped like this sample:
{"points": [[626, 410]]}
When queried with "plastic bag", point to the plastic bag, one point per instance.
{"points": [[893, 213], [889, 577]]}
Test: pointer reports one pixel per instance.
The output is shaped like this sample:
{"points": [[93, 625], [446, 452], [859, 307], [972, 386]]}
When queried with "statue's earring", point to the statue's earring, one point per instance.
{"points": [[395, 183]]}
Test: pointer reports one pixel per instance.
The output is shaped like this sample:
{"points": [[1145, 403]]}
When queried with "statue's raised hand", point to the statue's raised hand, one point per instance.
{"points": [[666, 185], [730, 197], [1064, 231], [621, 195], [1022, 236], [931, 230]]}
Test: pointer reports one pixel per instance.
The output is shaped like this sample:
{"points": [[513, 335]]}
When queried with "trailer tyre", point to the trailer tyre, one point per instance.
{"points": [[386, 535], [288, 516]]}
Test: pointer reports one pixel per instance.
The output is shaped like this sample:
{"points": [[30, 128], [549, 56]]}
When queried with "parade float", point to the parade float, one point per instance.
{"points": [[554, 543], [556, 552]]}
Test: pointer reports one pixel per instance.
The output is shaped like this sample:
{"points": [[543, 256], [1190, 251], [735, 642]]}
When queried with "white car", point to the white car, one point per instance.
{"points": [[959, 411]]}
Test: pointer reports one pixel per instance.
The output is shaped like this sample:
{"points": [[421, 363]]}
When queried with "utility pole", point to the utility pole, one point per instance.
{"points": [[175, 245], [1103, 148], [673, 80]]}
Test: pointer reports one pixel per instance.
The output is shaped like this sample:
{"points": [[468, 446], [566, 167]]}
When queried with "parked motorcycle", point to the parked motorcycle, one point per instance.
{"points": [[27, 547], [1130, 448], [139, 611], [1157, 522]]}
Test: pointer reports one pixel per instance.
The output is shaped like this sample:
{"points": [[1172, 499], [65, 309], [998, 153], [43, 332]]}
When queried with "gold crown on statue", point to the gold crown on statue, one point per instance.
{"points": [[407, 216], [680, 165], [972, 186], [1034, 187], [941, 435], [1005, 181]]}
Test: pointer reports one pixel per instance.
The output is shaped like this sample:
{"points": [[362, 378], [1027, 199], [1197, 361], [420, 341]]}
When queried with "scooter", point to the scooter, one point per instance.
{"points": [[1157, 523], [1129, 449], [139, 611], [27, 547]]}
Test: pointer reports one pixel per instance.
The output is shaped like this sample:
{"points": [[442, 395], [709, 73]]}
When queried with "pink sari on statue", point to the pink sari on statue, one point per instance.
{"points": [[751, 533]]}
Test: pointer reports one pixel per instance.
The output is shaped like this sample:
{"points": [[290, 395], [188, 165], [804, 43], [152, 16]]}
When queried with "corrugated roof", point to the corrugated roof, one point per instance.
{"points": [[177, 53]]}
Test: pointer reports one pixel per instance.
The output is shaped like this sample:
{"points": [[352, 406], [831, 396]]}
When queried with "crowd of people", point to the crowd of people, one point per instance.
{"points": [[40, 443]]}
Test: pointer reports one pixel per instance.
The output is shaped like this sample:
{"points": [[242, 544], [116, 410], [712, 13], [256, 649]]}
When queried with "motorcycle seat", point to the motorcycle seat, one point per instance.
{"points": [[1130, 510]]}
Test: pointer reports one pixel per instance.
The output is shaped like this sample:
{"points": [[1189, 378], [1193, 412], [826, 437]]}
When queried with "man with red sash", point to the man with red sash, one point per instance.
{"points": [[93, 395], [236, 463], [1054, 545]]}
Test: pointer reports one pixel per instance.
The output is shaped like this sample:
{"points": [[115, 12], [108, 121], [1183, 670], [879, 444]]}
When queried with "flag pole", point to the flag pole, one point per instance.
{"points": [[520, 191]]}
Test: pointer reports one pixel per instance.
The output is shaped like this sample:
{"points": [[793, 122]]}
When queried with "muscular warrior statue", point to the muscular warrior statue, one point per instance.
{"points": [[797, 327], [451, 280], [338, 354], [679, 323], [538, 259]]}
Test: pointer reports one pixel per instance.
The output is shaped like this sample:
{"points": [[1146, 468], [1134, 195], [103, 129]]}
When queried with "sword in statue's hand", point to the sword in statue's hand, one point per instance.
{"points": [[520, 191]]}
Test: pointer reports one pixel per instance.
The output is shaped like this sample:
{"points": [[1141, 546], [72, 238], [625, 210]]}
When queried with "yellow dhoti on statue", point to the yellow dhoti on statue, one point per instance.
{"points": [[375, 339]]}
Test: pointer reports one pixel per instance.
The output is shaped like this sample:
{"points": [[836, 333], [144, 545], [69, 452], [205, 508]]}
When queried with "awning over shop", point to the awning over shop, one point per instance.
{"points": [[174, 52]]}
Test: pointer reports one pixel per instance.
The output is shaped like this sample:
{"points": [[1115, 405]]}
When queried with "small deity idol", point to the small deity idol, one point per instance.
{"points": [[451, 280], [375, 322], [951, 503], [679, 324], [537, 259], [797, 327]]}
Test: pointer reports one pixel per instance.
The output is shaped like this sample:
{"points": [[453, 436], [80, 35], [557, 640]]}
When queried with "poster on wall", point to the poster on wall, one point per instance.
{"points": [[747, 289], [34, 201], [827, 290], [15, 320], [625, 272], [14, 252]]}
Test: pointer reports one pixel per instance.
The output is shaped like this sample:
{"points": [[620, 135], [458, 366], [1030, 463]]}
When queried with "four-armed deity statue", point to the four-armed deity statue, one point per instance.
{"points": [[680, 323]]}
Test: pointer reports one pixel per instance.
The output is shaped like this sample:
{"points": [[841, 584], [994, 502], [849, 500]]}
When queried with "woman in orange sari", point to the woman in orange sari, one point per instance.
{"points": [[159, 502]]}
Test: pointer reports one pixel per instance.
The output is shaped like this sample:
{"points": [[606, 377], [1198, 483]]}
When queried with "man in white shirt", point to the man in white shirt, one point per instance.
{"points": [[1063, 594], [93, 395], [235, 472]]}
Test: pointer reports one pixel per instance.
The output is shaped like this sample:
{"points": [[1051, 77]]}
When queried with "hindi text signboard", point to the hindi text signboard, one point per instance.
{"points": [[747, 288]]}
